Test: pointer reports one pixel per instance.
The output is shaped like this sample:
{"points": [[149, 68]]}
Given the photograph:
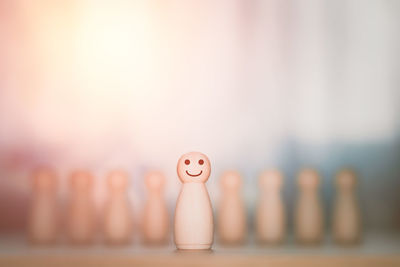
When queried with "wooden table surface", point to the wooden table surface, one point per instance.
{"points": [[377, 249]]}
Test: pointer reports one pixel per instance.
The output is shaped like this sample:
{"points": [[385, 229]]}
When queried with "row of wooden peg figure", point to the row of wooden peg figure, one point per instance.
{"points": [[80, 219]]}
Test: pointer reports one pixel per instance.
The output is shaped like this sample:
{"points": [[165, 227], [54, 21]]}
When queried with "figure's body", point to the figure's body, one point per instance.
{"points": [[193, 227], [155, 222], [270, 214], [43, 218], [231, 211], [117, 212]]}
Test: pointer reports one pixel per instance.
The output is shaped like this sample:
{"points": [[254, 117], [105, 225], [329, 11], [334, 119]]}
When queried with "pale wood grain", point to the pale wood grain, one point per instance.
{"points": [[210, 260]]}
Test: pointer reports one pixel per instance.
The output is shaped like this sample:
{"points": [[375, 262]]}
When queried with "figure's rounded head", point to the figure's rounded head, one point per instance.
{"points": [[44, 179], [81, 180], [117, 180], [308, 178], [270, 179], [346, 179], [193, 167], [154, 180], [231, 180]]}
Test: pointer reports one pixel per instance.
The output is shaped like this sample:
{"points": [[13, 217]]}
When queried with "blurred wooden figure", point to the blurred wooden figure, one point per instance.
{"points": [[81, 210], [270, 213], [155, 222], [43, 217], [346, 214], [308, 211], [117, 211], [193, 224], [231, 212]]}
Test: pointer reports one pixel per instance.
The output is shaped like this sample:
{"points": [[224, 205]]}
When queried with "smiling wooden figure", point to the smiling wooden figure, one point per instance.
{"points": [[193, 214]]}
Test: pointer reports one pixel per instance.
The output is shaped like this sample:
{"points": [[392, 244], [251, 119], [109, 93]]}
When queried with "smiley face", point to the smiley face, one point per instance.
{"points": [[194, 167]]}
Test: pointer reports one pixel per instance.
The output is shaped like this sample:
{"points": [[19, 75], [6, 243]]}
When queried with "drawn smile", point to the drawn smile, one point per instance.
{"points": [[194, 175]]}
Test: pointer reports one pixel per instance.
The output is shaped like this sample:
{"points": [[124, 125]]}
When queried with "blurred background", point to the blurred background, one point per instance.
{"points": [[253, 84]]}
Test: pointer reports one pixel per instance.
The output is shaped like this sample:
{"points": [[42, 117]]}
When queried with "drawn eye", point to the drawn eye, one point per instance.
{"points": [[187, 162], [201, 162]]}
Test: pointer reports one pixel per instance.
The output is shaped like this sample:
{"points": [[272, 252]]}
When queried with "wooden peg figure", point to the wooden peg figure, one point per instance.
{"points": [[270, 213], [346, 213], [117, 213], [81, 211], [44, 216], [193, 228], [155, 222], [231, 211], [309, 220]]}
